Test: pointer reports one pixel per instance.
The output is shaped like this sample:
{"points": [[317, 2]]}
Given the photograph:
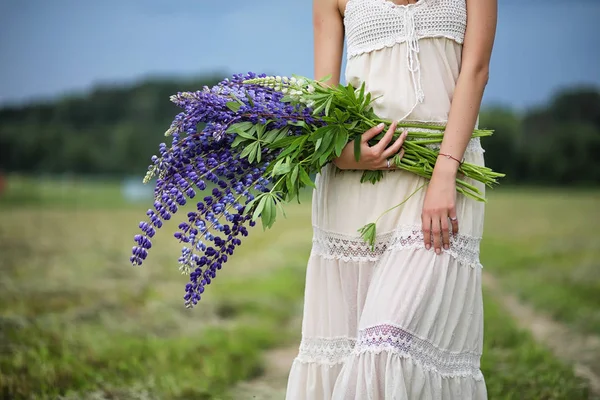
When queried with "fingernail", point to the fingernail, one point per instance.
{"points": [[405, 133], [438, 251], [446, 247], [427, 246], [381, 125]]}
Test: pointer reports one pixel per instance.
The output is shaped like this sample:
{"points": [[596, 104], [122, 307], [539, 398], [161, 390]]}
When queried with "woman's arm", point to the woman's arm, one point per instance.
{"points": [[329, 45], [328, 29], [440, 199]]}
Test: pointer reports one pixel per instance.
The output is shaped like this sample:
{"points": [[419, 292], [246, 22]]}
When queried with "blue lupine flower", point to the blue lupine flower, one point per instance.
{"points": [[198, 160]]}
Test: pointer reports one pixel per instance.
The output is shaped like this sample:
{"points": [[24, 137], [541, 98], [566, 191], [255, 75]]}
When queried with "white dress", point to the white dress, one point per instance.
{"points": [[398, 322]]}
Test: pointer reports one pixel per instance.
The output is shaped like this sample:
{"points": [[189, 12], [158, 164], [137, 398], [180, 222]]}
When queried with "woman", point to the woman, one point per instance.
{"points": [[403, 320]]}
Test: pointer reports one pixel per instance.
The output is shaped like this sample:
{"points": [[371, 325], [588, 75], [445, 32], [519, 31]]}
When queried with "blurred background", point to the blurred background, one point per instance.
{"points": [[84, 103]]}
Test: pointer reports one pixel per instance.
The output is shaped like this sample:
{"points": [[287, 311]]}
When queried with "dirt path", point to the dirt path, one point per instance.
{"points": [[272, 384], [582, 351]]}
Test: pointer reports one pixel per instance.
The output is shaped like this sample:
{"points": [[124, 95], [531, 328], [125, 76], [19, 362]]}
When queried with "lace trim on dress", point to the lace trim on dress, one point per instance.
{"points": [[330, 245], [329, 351], [393, 339]]}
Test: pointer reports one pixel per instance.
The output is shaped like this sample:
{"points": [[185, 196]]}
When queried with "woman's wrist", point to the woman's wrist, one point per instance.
{"points": [[446, 167]]}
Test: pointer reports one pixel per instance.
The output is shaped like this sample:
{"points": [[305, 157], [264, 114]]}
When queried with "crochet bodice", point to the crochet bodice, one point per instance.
{"points": [[380, 28], [374, 24]]}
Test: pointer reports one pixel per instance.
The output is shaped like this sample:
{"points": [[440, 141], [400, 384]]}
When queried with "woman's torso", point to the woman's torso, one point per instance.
{"points": [[408, 56]]}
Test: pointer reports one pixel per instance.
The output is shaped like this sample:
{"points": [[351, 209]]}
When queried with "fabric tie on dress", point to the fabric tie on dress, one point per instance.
{"points": [[412, 56]]}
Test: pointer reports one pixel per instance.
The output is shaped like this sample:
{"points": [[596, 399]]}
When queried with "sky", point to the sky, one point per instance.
{"points": [[52, 47]]}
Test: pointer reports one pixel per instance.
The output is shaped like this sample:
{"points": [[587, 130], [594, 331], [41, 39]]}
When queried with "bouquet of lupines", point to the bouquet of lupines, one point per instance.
{"points": [[262, 140]]}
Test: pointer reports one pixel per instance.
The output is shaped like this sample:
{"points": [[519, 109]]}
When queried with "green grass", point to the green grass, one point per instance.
{"points": [[76, 320], [544, 245], [69, 191], [515, 367]]}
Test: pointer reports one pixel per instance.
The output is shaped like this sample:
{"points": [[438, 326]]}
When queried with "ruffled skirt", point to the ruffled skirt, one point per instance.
{"points": [[397, 321]]}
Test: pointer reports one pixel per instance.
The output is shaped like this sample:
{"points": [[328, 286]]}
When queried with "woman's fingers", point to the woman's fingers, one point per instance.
{"points": [[396, 146], [426, 221], [371, 133], [386, 139], [436, 231], [445, 232], [454, 222]]}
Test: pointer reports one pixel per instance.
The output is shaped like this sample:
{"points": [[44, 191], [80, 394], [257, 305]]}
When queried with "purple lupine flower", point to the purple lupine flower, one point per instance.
{"points": [[197, 160]]}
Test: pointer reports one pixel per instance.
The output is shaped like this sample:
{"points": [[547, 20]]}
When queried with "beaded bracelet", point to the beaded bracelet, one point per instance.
{"points": [[448, 156]]}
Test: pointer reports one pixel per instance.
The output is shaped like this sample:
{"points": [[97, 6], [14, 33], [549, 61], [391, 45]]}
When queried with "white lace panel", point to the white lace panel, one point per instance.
{"points": [[375, 24], [328, 351], [393, 339], [330, 245]]}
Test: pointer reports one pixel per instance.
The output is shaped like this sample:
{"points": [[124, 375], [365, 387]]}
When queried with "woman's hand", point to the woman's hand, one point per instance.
{"points": [[439, 207], [375, 157]]}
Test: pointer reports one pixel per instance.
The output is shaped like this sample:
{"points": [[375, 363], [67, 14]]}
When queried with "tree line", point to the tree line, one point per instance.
{"points": [[113, 131]]}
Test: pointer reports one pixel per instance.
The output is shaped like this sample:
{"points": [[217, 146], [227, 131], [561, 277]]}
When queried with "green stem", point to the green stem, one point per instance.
{"points": [[402, 203]]}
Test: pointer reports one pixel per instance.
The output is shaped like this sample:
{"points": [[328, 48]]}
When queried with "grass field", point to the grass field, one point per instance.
{"points": [[77, 321], [545, 246]]}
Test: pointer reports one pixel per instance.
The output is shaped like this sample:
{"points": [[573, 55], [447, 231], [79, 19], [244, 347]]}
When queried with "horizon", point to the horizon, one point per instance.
{"points": [[65, 49]]}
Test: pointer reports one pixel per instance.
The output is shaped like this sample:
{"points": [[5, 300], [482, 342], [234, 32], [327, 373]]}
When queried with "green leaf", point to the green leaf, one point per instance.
{"points": [[357, 149], [260, 206], [272, 211], [318, 143], [260, 129], [362, 92], [280, 206], [351, 93], [295, 145], [282, 142], [319, 96], [283, 133], [341, 139], [368, 233], [352, 125], [304, 178], [318, 108], [294, 175], [240, 125], [328, 105], [281, 168], [233, 106], [291, 187], [325, 79], [320, 133], [237, 141], [324, 159], [274, 134], [327, 139], [252, 153], [371, 176], [258, 152], [266, 212], [246, 134], [247, 150]]}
